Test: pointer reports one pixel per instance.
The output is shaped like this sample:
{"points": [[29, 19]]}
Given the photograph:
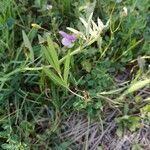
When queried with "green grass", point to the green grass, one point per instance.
{"points": [[46, 89]]}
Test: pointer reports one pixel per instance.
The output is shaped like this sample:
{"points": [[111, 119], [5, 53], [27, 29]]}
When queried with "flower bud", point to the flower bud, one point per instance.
{"points": [[34, 25], [124, 11]]}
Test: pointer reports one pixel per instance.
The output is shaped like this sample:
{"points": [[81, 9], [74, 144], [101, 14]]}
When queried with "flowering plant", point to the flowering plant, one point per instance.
{"points": [[92, 32]]}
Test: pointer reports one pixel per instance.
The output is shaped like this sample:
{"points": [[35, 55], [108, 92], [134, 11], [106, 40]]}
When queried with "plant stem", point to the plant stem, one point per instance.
{"points": [[75, 93]]}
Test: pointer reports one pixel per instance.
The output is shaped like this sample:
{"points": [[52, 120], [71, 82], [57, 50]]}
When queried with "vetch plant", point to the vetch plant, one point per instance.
{"points": [[92, 34], [57, 72]]}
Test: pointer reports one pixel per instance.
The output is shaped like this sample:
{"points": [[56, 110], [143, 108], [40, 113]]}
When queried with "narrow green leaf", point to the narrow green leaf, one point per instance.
{"points": [[67, 67], [138, 85], [112, 91], [90, 8], [53, 54], [47, 55], [27, 44], [42, 80], [41, 39], [55, 78], [84, 22], [89, 30]]}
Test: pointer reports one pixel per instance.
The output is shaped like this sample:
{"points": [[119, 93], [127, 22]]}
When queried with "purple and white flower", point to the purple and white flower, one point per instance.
{"points": [[68, 39]]}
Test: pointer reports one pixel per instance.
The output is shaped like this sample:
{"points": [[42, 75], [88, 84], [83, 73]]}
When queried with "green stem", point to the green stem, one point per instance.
{"points": [[130, 48], [75, 94]]}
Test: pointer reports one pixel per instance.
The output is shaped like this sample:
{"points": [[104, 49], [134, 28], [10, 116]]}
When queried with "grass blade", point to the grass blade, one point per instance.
{"points": [[53, 54], [67, 67], [55, 78], [138, 85], [27, 44], [135, 87], [89, 30], [48, 56]]}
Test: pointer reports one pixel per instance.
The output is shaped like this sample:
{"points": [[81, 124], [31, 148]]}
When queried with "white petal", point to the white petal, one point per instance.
{"points": [[73, 30], [95, 27], [84, 22], [90, 17], [89, 29], [100, 24]]}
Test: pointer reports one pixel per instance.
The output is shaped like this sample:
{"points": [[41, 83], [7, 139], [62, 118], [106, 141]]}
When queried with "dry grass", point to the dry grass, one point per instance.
{"points": [[91, 135]]}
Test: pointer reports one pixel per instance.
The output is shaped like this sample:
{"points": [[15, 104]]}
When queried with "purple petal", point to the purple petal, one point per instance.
{"points": [[66, 42], [70, 37], [63, 34]]}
